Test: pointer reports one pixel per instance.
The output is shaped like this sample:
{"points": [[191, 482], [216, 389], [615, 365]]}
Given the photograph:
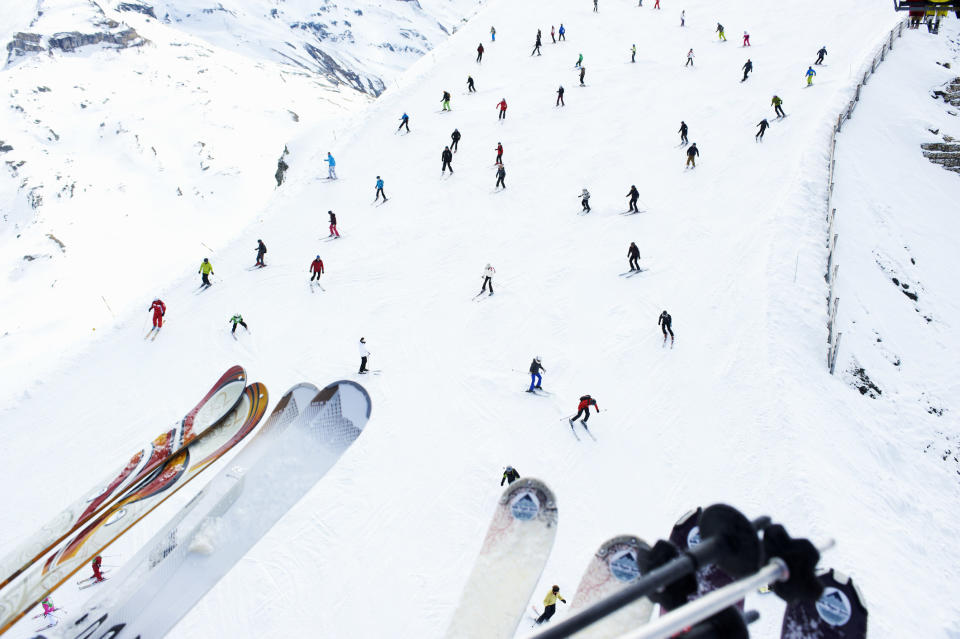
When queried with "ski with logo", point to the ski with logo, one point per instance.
{"points": [[613, 568], [839, 613], [101, 531], [303, 438], [686, 535], [509, 565], [215, 404]]}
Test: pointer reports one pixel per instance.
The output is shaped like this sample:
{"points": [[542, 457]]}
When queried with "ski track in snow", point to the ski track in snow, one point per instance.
{"points": [[741, 410]]}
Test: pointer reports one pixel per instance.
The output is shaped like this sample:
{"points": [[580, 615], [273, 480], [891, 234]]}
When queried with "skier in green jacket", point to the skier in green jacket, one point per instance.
{"points": [[238, 319]]}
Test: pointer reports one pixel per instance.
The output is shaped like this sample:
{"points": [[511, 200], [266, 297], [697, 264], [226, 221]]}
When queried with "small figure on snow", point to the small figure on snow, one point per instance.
{"points": [[316, 269], [683, 18], [634, 195], [720, 35], [583, 408], [579, 62], [776, 102], [560, 101], [206, 270], [666, 323], [261, 251], [656, 5], [493, 34], [809, 74], [480, 52], [634, 254], [746, 39], [364, 354], [238, 320], [553, 34], [487, 280], [633, 53], [499, 151], [683, 132], [763, 127], [470, 87], [455, 137], [159, 310], [447, 157], [692, 154], [594, 6], [404, 122], [97, 562], [747, 68], [502, 105], [689, 58], [501, 177], [550, 604], [331, 167], [445, 100], [562, 33], [536, 46], [380, 190], [583, 72], [510, 475], [585, 201], [333, 225], [535, 378], [820, 55]]}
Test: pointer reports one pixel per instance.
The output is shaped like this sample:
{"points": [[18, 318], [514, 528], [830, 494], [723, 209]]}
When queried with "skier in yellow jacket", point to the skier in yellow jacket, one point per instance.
{"points": [[550, 604], [206, 269]]}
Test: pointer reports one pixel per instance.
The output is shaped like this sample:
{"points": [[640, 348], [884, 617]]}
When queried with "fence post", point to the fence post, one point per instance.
{"points": [[833, 356]]}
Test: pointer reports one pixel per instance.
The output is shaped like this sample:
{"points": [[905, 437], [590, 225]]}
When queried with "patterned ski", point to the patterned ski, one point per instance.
{"points": [[98, 533], [613, 568], [306, 434], [686, 535], [508, 568], [216, 403], [839, 613]]}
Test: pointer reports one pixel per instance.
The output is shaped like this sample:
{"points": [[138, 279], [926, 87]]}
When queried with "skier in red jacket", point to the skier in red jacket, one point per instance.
{"points": [[159, 310], [499, 150], [583, 408], [502, 105], [316, 267], [96, 568]]}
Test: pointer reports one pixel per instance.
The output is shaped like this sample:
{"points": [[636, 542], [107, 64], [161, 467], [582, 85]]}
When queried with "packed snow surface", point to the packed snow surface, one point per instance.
{"points": [[741, 410]]}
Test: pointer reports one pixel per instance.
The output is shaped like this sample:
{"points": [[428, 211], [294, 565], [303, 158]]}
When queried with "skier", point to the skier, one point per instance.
{"points": [[594, 6], [562, 32], [97, 562], [535, 378], [493, 34], [683, 18], [634, 254], [333, 225], [380, 190], [689, 58], [536, 46], [445, 100], [583, 408], [510, 475], [747, 68], [560, 101], [159, 310], [656, 5], [501, 176], [261, 251], [579, 62], [746, 39], [455, 136], [404, 122], [550, 604], [364, 354], [763, 127], [633, 53], [585, 200], [502, 105], [238, 319], [820, 54], [810, 73], [583, 71], [720, 35], [634, 195], [692, 153], [447, 157], [331, 167], [683, 132], [487, 279], [470, 87], [776, 102], [666, 322], [480, 52], [553, 34], [206, 270], [316, 269], [48, 606], [499, 151]]}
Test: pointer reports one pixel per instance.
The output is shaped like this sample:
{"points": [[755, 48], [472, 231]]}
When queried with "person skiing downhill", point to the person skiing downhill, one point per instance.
{"points": [[380, 190], [470, 87], [746, 39], [48, 606], [763, 124], [331, 167], [502, 105], [510, 475], [656, 5], [445, 100], [501, 176], [447, 157], [820, 54], [488, 272], [689, 58], [594, 6], [493, 34], [238, 319], [480, 52], [553, 34], [404, 122], [692, 154], [97, 562], [499, 151], [809, 74], [206, 270], [333, 225], [634, 254], [633, 53], [719, 31], [583, 72], [585, 201], [562, 33], [666, 325], [747, 68], [316, 269], [579, 62], [550, 604], [560, 101], [536, 45], [776, 102], [261, 251], [455, 138], [583, 408], [535, 378], [634, 195], [159, 310], [364, 354], [683, 18], [683, 132]]}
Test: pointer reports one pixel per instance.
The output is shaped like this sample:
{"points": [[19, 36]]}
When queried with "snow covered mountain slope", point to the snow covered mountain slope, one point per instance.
{"points": [[741, 410]]}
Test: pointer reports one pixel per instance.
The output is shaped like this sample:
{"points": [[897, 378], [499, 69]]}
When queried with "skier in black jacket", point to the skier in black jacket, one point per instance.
{"points": [[634, 195], [455, 136], [747, 68], [560, 101], [763, 127], [666, 323], [634, 254], [822, 52], [501, 177], [683, 132], [510, 475], [535, 377], [470, 87], [692, 154], [536, 47], [261, 251], [447, 157]]}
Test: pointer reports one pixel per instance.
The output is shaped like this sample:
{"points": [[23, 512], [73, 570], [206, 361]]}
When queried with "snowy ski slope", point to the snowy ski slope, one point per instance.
{"points": [[741, 410]]}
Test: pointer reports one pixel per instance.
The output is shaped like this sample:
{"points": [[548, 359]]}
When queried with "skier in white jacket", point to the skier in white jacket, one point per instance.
{"points": [[487, 279], [364, 353]]}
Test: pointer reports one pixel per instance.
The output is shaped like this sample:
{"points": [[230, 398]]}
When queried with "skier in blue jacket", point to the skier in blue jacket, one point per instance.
{"points": [[810, 73], [331, 171], [380, 190]]}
